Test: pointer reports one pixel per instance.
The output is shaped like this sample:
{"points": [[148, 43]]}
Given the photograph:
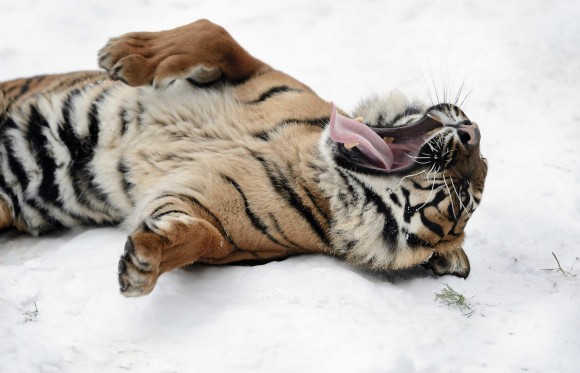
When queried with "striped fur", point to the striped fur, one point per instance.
{"points": [[224, 171]]}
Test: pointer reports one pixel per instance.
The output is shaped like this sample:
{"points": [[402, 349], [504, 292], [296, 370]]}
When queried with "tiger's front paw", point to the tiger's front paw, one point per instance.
{"points": [[194, 52], [138, 270], [136, 66], [128, 59]]}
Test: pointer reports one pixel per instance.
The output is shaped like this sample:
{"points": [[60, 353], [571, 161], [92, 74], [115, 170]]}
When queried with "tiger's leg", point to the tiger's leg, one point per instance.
{"points": [[201, 51], [172, 234]]}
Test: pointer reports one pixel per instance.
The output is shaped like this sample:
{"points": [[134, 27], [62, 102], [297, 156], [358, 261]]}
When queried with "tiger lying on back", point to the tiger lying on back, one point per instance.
{"points": [[206, 154]]}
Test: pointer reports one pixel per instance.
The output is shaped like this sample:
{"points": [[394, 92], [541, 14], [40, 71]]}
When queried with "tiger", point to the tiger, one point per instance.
{"points": [[204, 154]]}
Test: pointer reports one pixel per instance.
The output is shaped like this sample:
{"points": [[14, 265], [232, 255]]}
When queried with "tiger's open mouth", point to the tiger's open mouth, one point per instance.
{"points": [[379, 148]]}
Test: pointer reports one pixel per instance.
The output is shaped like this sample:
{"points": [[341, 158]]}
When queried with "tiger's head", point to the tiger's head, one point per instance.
{"points": [[406, 182]]}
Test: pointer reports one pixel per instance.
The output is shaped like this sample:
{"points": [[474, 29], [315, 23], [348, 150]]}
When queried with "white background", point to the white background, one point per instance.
{"points": [[313, 313]]}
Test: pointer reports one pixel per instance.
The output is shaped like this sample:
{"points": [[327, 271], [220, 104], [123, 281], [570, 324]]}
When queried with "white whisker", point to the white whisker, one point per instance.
{"points": [[432, 188], [434, 85], [431, 146], [426, 86], [404, 177], [450, 197], [459, 197], [461, 176], [415, 159]]}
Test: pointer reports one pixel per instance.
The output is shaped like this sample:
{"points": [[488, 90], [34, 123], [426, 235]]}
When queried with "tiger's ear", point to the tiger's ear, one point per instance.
{"points": [[449, 262]]}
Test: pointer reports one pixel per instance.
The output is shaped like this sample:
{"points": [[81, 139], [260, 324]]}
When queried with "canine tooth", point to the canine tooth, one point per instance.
{"points": [[434, 117], [389, 139], [351, 145], [359, 119]]}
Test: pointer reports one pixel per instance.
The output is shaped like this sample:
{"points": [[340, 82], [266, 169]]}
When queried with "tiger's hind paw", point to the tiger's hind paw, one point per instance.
{"points": [[137, 273]]}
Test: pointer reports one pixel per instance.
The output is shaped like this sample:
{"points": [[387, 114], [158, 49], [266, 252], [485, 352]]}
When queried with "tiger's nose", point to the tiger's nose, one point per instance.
{"points": [[468, 133]]}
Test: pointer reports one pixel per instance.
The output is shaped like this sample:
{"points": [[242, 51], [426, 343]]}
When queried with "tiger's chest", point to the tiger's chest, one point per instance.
{"points": [[253, 164]]}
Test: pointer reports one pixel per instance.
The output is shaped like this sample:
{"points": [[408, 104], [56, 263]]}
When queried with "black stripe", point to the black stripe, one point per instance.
{"points": [[315, 122], [440, 196], [211, 84], [67, 83], [218, 222], [66, 131], [318, 208], [159, 208], [125, 183], [24, 88], [408, 111], [81, 150], [8, 190], [140, 112], [15, 166], [48, 188], [83, 175], [452, 230], [41, 151], [94, 120], [265, 135], [283, 187], [395, 199], [254, 219], [273, 92], [352, 190], [429, 187], [451, 216], [410, 210], [433, 227], [225, 80], [49, 222], [390, 227], [281, 232], [350, 245], [415, 241], [44, 213], [124, 122], [10, 89], [170, 212]]}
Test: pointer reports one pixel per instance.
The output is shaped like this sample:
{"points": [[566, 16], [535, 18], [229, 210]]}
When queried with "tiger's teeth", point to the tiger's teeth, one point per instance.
{"points": [[434, 117], [359, 119], [389, 139], [351, 145]]}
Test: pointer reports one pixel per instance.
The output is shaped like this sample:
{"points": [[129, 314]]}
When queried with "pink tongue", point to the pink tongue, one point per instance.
{"points": [[347, 131]]}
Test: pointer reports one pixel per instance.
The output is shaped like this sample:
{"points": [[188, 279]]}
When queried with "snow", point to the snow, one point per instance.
{"points": [[315, 313]]}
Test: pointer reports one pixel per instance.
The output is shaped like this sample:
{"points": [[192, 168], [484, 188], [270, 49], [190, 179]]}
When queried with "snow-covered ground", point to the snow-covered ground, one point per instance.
{"points": [[60, 310]]}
